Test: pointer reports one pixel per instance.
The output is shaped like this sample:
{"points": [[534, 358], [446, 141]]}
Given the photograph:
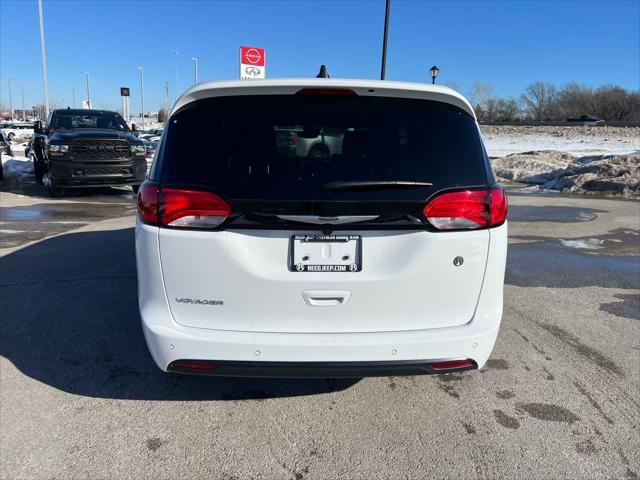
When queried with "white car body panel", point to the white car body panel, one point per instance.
{"points": [[408, 270]]}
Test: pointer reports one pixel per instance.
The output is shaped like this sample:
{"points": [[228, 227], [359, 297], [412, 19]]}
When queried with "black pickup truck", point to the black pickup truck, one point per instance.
{"points": [[86, 148]]}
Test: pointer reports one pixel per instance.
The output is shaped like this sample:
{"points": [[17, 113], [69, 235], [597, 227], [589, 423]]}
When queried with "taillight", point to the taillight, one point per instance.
{"points": [[174, 207], [148, 203], [467, 209], [291, 138]]}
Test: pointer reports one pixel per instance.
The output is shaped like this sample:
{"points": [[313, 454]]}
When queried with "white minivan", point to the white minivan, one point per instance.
{"points": [[386, 258]]}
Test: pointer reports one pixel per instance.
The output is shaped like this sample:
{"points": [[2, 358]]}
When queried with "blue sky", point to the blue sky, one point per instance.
{"points": [[508, 44]]}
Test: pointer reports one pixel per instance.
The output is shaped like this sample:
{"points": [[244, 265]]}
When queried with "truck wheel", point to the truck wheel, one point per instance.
{"points": [[52, 188]]}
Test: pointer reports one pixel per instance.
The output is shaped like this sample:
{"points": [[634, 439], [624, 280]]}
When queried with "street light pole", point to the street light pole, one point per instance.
{"points": [[142, 93], [10, 97], [24, 114], [434, 73], [44, 61], [176, 54], [86, 74], [195, 64], [384, 41], [166, 98]]}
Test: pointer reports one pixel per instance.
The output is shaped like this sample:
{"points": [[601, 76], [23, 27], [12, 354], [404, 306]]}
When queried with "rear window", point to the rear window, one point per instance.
{"points": [[291, 147]]}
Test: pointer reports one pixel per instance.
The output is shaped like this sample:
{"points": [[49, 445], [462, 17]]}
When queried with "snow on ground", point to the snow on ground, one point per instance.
{"points": [[578, 141], [149, 123], [592, 160]]}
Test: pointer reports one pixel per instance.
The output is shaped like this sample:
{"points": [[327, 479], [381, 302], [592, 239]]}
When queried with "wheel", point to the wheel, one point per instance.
{"points": [[319, 152], [52, 188], [10, 136], [135, 188]]}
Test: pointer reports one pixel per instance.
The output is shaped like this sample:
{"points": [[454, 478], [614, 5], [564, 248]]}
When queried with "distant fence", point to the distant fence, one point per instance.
{"points": [[616, 123]]}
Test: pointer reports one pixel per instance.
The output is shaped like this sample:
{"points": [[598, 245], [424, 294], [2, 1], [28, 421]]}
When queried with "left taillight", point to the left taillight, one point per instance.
{"points": [[467, 209], [148, 203], [180, 208]]}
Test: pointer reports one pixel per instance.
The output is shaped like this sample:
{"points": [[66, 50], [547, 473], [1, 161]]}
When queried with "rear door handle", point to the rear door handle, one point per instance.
{"points": [[326, 298]]}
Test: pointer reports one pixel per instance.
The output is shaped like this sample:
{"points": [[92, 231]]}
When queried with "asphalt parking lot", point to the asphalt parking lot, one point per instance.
{"points": [[81, 398]]}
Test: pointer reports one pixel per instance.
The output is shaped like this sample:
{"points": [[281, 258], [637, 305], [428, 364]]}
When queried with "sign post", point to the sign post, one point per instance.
{"points": [[252, 63], [124, 93]]}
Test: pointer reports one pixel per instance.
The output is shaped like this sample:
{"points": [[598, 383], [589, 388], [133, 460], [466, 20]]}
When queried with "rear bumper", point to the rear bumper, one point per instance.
{"points": [[69, 174], [315, 354], [310, 369]]}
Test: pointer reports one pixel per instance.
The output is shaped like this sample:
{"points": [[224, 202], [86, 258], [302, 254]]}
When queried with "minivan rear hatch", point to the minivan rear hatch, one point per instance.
{"points": [[326, 232]]}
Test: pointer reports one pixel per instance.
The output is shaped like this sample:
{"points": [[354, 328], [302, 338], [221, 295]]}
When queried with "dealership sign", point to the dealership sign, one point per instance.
{"points": [[252, 62]]}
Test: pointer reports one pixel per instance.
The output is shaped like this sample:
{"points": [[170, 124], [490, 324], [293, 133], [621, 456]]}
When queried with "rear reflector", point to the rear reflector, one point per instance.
{"points": [[452, 364], [467, 209], [192, 365], [180, 208]]}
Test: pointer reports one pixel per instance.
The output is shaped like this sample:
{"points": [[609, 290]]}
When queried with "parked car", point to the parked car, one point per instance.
{"points": [[586, 120], [17, 130], [387, 258], [87, 148], [5, 145], [314, 143]]}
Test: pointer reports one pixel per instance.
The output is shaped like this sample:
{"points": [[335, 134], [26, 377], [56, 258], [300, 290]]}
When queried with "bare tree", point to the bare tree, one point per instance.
{"points": [[480, 94], [539, 100], [502, 110], [574, 100], [452, 86], [611, 102], [162, 115]]}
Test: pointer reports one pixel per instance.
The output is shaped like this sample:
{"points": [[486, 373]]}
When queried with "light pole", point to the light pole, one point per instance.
{"points": [[44, 61], [24, 114], [166, 98], [384, 40], [434, 73], [195, 64], [176, 54], [86, 74], [10, 97], [142, 93]]}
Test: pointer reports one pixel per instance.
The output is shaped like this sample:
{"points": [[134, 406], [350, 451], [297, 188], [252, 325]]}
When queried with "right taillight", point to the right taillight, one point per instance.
{"points": [[467, 209], [180, 208]]}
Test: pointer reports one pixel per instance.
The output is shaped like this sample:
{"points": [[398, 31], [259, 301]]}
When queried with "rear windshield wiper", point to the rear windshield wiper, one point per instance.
{"points": [[371, 184]]}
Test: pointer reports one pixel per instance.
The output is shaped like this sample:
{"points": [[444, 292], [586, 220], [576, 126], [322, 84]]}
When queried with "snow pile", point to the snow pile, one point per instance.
{"points": [[610, 174], [532, 167], [16, 168], [553, 170], [502, 140]]}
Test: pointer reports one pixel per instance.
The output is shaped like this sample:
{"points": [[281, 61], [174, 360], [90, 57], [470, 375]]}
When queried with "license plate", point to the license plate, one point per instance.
{"points": [[326, 253]]}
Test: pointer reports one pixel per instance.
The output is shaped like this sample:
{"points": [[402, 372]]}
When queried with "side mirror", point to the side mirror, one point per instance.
{"points": [[37, 127]]}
